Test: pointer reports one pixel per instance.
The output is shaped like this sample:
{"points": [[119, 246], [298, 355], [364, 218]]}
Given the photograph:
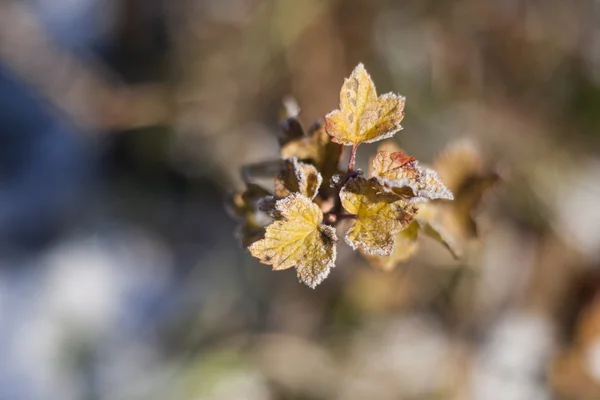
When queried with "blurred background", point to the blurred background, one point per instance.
{"points": [[123, 126]]}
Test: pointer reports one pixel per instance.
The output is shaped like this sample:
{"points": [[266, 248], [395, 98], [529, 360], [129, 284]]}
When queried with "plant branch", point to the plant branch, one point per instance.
{"points": [[352, 157]]}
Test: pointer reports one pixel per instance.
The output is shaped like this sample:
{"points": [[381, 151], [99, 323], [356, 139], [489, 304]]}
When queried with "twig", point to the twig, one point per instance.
{"points": [[352, 157]]}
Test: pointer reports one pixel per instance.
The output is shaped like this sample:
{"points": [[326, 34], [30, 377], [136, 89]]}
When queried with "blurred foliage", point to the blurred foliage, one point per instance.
{"points": [[125, 123]]}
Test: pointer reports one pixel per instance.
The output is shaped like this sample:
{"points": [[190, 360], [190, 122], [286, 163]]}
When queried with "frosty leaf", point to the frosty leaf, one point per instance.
{"points": [[244, 206], [405, 247], [403, 175], [363, 117], [297, 177], [299, 240], [316, 148], [379, 216]]}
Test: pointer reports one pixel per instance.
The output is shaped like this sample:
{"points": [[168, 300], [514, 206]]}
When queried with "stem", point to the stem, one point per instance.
{"points": [[352, 157]]}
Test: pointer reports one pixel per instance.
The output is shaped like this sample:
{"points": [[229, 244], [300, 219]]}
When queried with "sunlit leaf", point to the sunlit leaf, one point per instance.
{"points": [[297, 177], [363, 117], [298, 240], [405, 247], [402, 174], [379, 216]]}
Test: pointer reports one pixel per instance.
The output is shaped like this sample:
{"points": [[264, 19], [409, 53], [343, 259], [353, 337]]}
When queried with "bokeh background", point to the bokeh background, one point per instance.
{"points": [[123, 126]]}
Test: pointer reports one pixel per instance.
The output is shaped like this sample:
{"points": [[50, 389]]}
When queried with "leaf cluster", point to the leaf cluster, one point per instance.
{"points": [[295, 222]]}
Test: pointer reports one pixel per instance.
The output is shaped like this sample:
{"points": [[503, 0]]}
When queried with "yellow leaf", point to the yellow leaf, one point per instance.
{"points": [[402, 174], [379, 216], [299, 240], [363, 117], [297, 177], [405, 247]]}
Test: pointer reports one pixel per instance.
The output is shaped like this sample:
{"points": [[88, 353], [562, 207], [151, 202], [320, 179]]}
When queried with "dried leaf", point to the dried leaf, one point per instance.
{"points": [[363, 117], [250, 231], [241, 203], [405, 247], [299, 240], [297, 177], [379, 216], [291, 130], [402, 174], [267, 205], [457, 162], [436, 222], [462, 168], [452, 223]]}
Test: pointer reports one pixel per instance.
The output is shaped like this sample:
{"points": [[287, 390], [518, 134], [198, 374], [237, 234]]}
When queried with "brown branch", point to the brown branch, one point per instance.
{"points": [[352, 157]]}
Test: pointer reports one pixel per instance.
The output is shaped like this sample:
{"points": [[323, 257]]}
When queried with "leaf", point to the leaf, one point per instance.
{"points": [[436, 222], [315, 148], [241, 203], [458, 162], [453, 223], [244, 207], [379, 216], [363, 117], [403, 175], [267, 205], [405, 247], [299, 240], [297, 177]]}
